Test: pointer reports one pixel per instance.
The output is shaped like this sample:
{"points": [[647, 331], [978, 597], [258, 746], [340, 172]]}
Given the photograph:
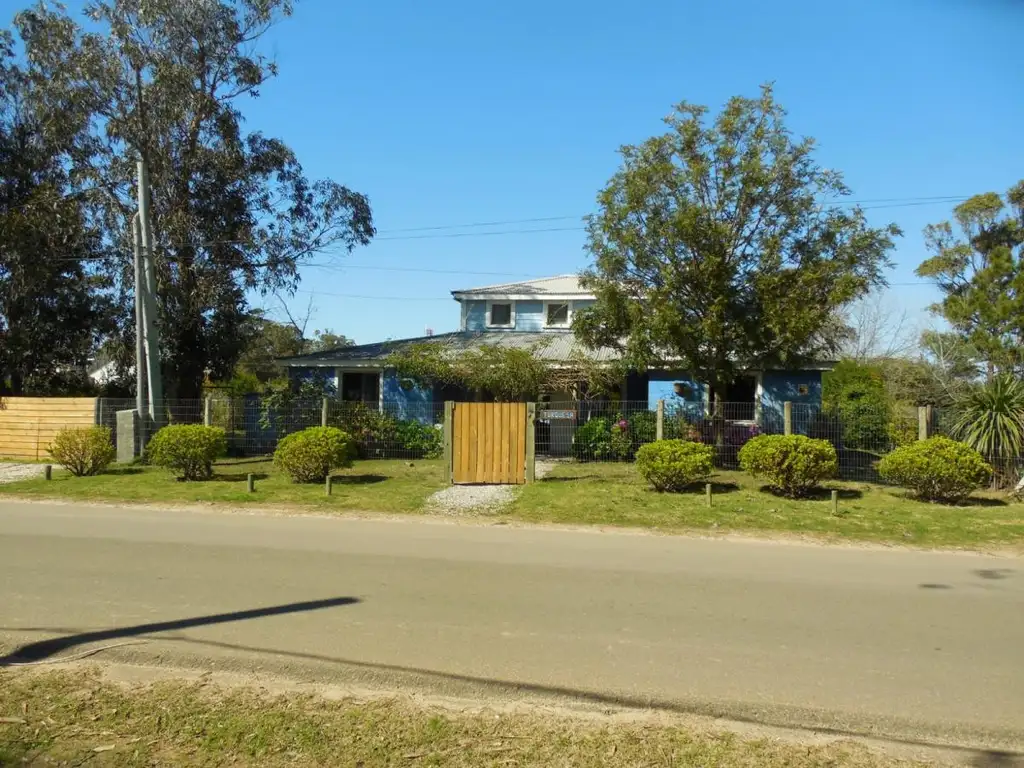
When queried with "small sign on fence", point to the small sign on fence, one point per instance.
{"points": [[556, 414]]}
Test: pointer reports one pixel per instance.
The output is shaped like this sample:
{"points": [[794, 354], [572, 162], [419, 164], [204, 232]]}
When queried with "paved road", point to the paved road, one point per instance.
{"points": [[913, 645]]}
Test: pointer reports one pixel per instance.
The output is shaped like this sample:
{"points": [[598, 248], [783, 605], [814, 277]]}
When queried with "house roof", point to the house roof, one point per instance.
{"points": [[554, 347], [561, 286]]}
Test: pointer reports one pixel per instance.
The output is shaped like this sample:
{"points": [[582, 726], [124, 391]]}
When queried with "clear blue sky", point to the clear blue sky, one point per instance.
{"points": [[454, 111]]}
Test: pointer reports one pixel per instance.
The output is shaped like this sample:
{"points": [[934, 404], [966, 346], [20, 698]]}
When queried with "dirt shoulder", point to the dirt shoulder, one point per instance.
{"points": [[128, 715]]}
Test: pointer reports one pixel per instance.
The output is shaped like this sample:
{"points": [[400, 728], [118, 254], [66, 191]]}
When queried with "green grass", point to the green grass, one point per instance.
{"points": [[372, 486], [613, 494], [62, 718]]}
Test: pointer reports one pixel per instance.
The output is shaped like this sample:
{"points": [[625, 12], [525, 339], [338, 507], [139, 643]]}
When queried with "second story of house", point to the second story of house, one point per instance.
{"points": [[541, 305]]}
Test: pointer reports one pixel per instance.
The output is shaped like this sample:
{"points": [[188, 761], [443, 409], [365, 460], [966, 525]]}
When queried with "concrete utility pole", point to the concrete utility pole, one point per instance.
{"points": [[140, 333], [152, 344]]}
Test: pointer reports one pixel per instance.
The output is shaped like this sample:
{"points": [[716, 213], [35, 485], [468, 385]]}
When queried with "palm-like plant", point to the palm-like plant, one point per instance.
{"points": [[990, 418]]}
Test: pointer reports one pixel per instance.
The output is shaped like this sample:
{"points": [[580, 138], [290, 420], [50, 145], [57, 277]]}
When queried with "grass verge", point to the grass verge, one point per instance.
{"points": [[75, 718], [374, 486], [613, 494]]}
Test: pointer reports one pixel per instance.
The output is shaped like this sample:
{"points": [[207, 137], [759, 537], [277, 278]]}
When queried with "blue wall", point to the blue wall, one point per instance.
{"points": [[780, 386], [529, 315], [327, 376], [476, 315], [661, 386], [416, 402]]}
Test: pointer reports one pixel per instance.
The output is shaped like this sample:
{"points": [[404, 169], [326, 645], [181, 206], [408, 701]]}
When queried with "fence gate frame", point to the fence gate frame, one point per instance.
{"points": [[489, 443]]}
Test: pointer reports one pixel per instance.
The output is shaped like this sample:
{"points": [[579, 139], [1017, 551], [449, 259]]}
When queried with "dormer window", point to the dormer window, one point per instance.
{"points": [[500, 314], [556, 314]]}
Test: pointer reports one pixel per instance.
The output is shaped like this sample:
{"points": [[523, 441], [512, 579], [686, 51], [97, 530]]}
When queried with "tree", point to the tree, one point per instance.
{"points": [[879, 330], [233, 211], [327, 339], [716, 247], [53, 306], [979, 267]]}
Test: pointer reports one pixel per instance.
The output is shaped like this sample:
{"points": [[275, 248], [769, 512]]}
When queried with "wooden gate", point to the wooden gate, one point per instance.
{"points": [[489, 442]]}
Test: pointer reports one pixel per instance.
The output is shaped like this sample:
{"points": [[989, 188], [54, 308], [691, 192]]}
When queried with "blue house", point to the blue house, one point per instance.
{"points": [[522, 315]]}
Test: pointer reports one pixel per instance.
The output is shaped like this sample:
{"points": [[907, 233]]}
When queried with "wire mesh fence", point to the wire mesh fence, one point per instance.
{"points": [[254, 424]]}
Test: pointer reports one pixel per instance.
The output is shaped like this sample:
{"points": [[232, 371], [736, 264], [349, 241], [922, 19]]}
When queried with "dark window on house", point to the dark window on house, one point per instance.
{"points": [[558, 315], [501, 314], [361, 388]]}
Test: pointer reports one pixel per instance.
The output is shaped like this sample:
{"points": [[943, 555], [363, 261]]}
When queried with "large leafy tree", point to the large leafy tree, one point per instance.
{"points": [[717, 248], [53, 302], [233, 211], [978, 264]]}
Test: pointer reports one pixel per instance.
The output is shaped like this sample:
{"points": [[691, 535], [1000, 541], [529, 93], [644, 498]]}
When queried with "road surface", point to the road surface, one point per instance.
{"points": [[914, 646]]}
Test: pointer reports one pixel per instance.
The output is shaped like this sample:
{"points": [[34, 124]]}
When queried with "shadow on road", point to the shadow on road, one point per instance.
{"points": [[44, 649]]}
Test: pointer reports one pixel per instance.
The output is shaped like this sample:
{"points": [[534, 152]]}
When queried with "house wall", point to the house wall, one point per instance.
{"points": [[328, 376], [413, 403], [661, 386], [529, 314], [476, 315], [780, 386]]}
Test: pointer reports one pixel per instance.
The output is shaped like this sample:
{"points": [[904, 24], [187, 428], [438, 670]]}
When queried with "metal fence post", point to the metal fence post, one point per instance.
{"points": [[922, 423], [449, 426], [531, 442], [659, 428], [323, 412], [787, 418], [207, 412]]}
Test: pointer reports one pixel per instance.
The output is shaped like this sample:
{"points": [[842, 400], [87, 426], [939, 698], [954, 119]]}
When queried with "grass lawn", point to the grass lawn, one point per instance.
{"points": [[613, 494], [373, 486], [76, 719]]}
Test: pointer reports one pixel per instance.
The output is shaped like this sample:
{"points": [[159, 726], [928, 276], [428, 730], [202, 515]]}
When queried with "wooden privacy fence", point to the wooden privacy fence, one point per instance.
{"points": [[489, 442], [29, 424]]}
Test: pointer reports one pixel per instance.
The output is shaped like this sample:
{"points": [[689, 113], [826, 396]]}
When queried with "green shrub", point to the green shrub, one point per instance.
{"points": [[83, 451], [602, 439], [936, 469], [990, 419], [672, 465], [309, 456], [903, 426], [792, 464], [643, 428], [189, 449], [419, 440]]}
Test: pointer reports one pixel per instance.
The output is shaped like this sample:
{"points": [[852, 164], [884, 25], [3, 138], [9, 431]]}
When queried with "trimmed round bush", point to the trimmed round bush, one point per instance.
{"points": [[936, 469], [672, 465], [309, 456], [791, 464], [83, 451], [188, 449]]}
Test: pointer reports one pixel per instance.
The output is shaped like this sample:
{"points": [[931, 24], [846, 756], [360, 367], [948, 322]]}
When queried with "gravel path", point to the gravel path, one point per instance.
{"points": [[479, 499], [12, 473]]}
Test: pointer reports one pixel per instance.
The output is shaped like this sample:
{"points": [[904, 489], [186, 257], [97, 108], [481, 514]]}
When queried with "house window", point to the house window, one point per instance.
{"points": [[361, 388], [557, 315], [499, 315]]}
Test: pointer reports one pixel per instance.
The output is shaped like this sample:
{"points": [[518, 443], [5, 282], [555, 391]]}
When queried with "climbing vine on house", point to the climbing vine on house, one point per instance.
{"points": [[506, 374]]}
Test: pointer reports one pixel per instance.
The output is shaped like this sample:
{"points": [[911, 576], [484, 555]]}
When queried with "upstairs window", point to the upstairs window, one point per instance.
{"points": [[557, 315], [499, 315]]}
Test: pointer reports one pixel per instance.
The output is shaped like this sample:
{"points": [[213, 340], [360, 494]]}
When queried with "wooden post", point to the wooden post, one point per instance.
{"points": [[835, 503], [787, 418], [707, 493], [323, 412], [922, 423], [659, 429], [207, 412], [48, 472], [329, 485], [250, 483], [531, 442], [449, 454]]}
